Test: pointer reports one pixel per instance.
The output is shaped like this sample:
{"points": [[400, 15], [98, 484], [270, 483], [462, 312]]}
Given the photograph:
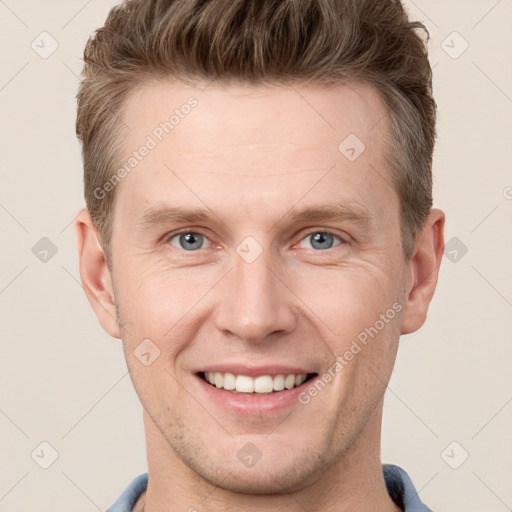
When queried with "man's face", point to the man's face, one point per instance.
{"points": [[256, 288]]}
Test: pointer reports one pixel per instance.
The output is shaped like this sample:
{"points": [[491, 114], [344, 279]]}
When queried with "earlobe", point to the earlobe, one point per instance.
{"points": [[423, 272], [95, 275]]}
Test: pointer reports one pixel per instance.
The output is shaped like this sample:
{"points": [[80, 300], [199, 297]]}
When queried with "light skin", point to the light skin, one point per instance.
{"points": [[255, 158]]}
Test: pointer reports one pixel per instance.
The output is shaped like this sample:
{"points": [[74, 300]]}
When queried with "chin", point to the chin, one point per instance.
{"points": [[265, 477], [260, 482]]}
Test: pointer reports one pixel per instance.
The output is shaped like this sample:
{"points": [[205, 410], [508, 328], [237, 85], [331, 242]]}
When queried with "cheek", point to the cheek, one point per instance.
{"points": [[348, 300], [156, 297], [166, 306], [358, 312]]}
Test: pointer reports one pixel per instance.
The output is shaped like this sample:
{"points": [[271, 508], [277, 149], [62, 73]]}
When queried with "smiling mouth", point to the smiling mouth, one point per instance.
{"points": [[261, 385]]}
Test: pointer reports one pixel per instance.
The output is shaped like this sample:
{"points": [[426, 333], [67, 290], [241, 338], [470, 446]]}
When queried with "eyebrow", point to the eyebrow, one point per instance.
{"points": [[160, 215], [166, 214], [336, 212]]}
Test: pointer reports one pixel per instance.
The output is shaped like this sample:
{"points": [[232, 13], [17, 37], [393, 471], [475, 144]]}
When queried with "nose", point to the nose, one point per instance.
{"points": [[255, 301]]}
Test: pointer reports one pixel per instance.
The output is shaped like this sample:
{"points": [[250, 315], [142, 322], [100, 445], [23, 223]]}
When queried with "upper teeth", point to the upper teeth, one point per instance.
{"points": [[260, 384]]}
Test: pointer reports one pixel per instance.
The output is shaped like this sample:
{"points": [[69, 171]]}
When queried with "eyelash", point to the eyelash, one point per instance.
{"points": [[167, 239]]}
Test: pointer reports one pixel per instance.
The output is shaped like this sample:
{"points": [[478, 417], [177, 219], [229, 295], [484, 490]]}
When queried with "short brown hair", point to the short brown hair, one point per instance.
{"points": [[262, 41]]}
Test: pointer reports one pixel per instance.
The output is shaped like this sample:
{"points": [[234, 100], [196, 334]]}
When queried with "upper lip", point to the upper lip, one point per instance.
{"points": [[255, 371]]}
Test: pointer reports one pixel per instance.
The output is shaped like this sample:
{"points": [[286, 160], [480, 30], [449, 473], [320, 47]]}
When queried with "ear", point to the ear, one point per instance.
{"points": [[423, 271], [95, 275]]}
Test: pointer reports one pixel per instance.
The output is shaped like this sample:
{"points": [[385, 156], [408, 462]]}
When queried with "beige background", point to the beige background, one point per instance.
{"points": [[64, 381]]}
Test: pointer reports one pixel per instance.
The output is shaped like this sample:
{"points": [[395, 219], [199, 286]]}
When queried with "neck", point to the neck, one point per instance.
{"points": [[355, 482]]}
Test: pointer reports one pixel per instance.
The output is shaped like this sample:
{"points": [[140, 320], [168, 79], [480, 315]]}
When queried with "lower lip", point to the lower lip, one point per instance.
{"points": [[253, 404]]}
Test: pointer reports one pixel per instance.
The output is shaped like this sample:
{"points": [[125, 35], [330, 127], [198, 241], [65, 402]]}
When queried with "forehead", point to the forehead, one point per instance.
{"points": [[236, 141], [230, 118]]}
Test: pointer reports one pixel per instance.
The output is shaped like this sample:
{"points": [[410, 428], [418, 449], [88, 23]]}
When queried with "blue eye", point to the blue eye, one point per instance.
{"points": [[188, 241], [321, 240], [191, 241]]}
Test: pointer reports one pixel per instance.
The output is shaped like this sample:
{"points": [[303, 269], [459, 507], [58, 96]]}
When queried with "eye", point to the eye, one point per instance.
{"points": [[320, 240], [189, 240]]}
